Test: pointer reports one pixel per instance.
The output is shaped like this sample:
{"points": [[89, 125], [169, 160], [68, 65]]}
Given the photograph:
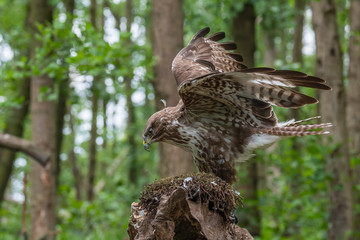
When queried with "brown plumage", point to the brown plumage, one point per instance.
{"points": [[225, 111]]}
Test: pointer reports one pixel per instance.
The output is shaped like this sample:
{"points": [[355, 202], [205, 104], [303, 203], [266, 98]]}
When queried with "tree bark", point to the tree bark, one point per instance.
{"points": [[63, 93], [14, 126], [299, 28], [297, 56], [105, 127], [15, 123], [43, 197], [78, 177], [43, 194], [167, 40], [243, 29], [92, 146], [94, 110], [131, 120], [353, 97], [270, 53], [329, 66]]}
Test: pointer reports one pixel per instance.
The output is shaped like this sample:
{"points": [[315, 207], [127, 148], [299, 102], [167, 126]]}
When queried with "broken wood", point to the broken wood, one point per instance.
{"points": [[181, 216]]}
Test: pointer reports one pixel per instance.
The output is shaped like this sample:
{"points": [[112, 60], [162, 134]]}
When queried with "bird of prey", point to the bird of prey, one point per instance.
{"points": [[225, 111]]}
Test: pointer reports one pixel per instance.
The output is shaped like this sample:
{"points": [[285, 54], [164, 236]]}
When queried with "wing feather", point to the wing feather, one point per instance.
{"points": [[249, 95], [203, 56]]}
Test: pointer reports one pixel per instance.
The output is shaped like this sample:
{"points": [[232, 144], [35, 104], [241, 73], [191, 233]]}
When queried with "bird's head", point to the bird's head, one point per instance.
{"points": [[155, 128]]}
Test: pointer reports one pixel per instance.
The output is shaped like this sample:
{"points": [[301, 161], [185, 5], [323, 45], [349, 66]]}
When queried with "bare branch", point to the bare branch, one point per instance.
{"points": [[18, 144]]}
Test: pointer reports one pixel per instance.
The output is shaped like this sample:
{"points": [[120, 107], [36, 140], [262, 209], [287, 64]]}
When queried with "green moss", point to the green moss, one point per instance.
{"points": [[207, 188]]}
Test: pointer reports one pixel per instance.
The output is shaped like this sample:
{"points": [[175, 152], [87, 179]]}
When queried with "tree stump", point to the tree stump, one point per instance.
{"points": [[198, 206]]}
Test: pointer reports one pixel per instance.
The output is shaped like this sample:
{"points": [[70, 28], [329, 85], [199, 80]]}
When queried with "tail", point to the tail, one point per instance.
{"points": [[294, 128]]}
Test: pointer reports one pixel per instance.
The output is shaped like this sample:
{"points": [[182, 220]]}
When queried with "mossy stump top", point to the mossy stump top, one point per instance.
{"points": [[192, 206]]}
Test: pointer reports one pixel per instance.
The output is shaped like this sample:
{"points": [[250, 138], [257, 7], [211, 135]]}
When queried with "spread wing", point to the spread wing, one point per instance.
{"points": [[215, 86], [205, 56], [246, 97]]}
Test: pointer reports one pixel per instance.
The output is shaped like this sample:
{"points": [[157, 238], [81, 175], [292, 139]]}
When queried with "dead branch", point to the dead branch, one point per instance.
{"points": [[18, 144]]}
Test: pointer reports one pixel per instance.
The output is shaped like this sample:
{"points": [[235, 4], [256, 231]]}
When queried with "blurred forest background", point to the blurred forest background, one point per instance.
{"points": [[80, 78]]}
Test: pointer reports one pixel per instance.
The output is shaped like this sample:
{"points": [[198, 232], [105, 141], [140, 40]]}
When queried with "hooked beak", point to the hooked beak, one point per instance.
{"points": [[146, 144]]}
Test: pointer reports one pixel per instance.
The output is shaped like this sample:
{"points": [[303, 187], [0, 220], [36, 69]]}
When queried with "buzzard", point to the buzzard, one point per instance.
{"points": [[225, 111]]}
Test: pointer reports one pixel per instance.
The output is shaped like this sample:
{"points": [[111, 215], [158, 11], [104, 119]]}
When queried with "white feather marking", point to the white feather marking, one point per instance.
{"points": [[271, 82], [260, 141], [281, 124], [175, 123]]}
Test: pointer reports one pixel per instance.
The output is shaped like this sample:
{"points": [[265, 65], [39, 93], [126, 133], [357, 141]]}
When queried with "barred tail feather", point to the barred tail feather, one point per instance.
{"points": [[296, 129]]}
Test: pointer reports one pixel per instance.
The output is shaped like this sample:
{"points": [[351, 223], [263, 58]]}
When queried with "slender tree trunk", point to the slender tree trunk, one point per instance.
{"points": [[131, 120], [24, 231], [292, 227], [78, 178], [243, 29], [270, 54], [299, 28], [14, 126], [167, 40], [105, 127], [63, 88], [297, 54], [92, 146], [43, 194], [353, 98], [329, 66], [94, 110], [60, 114]]}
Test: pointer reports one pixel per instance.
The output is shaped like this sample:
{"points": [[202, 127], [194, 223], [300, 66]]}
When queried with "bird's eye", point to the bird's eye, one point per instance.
{"points": [[150, 130]]}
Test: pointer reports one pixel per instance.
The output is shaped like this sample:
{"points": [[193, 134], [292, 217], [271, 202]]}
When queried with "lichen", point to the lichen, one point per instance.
{"points": [[203, 187]]}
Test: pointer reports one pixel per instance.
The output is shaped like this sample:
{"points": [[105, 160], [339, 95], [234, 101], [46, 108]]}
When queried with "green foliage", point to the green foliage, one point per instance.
{"points": [[293, 200]]}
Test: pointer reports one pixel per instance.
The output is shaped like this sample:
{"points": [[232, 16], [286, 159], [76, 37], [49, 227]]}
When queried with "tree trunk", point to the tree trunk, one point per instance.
{"points": [[78, 177], [14, 126], [105, 127], [299, 28], [270, 54], [94, 110], [63, 88], [167, 40], [243, 29], [92, 146], [353, 98], [329, 66], [60, 114], [297, 56], [43, 194], [131, 120]]}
